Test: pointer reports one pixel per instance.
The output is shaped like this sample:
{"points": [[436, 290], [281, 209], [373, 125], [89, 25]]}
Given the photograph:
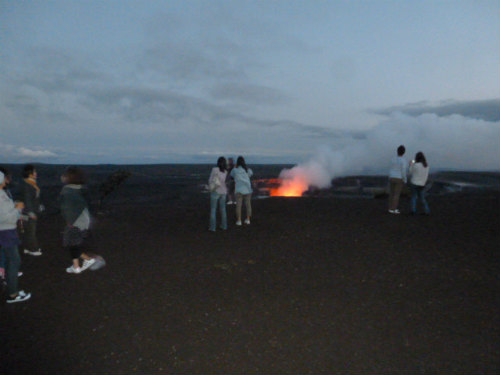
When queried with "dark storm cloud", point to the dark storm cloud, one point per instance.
{"points": [[488, 110]]}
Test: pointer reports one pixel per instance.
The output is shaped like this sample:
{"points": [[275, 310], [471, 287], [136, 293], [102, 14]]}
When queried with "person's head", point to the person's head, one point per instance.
{"points": [[230, 162], [73, 176], [240, 162], [401, 150], [420, 158], [221, 163], [29, 171], [7, 176]]}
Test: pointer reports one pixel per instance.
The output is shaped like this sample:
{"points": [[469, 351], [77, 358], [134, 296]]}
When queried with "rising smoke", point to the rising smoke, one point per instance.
{"points": [[454, 143]]}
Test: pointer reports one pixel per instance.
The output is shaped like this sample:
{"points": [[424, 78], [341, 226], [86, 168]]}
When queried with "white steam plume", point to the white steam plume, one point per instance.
{"points": [[453, 142]]}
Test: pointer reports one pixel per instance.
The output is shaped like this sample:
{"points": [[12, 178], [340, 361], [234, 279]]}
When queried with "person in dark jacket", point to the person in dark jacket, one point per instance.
{"points": [[75, 210], [30, 196]]}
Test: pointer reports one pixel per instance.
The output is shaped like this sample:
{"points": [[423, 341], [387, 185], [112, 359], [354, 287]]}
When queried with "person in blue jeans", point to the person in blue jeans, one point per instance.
{"points": [[218, 192], [10, 213], [419, 170]]}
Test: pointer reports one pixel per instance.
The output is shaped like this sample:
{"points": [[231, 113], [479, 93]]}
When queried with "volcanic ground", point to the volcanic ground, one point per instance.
{"points": [[313, 285]]}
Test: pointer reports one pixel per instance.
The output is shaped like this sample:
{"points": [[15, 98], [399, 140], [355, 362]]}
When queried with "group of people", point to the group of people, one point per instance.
{"points": [[233, 181], [18, 223], [418, 170]]}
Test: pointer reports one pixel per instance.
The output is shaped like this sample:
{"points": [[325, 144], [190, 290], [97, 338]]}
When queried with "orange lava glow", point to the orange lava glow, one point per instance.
{"points": [[289, 188]]}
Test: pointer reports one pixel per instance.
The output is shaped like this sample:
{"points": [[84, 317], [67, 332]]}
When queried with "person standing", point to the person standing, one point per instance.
{"points": [[75, 210], [10, 213], [218, 191], [243, 189], [30, 195], [419, 171], [397, 178], [230, 182], [8, 180]]}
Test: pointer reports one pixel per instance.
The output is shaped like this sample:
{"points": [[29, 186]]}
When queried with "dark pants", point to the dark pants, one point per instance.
{"points": [[12, 264], [75, 241], [28, 238]]}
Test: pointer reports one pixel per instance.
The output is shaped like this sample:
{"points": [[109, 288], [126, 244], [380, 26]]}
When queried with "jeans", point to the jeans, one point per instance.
{"points": [[12, 264], [418, 192], [221, 199]]}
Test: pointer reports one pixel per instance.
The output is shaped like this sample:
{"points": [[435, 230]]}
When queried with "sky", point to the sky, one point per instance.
{"points": [[275, 81]]}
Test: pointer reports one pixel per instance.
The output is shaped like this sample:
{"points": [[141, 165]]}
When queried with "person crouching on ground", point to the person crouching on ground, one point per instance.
{"points": [[218, 191], [419, 170], [397, 178], [74, 209], [30, 195], [9, 241], [243, 188]]}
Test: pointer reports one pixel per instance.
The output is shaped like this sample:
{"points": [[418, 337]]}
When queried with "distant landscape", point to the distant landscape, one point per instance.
{"points": [[149, 184]]}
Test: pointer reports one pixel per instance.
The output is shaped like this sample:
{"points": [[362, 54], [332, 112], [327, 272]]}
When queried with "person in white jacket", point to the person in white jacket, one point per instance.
{"points": [[419, 171], [397, 178], [10, 213]]}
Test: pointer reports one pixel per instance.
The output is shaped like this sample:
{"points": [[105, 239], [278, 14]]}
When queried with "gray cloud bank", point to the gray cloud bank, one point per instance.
{"points": [[488, 110], [57, 108]]}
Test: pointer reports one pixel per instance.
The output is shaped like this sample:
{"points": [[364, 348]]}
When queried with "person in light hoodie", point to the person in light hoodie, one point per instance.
{"points": [[397, 178], [243, 189], [10, 213], [419, 171], [218, 195], [75, 210]]}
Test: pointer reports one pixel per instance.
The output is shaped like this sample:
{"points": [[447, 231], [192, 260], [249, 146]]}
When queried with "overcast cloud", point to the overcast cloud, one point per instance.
{"points": [[187, 81]]}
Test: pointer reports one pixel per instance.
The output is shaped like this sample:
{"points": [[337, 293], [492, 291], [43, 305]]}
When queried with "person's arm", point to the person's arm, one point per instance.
{"points": [[10, 213], [250, 173]]}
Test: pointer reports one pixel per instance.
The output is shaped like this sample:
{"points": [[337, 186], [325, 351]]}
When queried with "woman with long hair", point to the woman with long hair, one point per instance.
{"points": [[243, 189], [218, 192], [75, 210], [419, 170]]}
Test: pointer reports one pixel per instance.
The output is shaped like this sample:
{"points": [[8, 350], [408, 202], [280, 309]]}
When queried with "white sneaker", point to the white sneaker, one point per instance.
{"points": [[20, 297], [35, 253], [73, 269], [87, 263], [247, 221], [238, 223], [395, 212]]}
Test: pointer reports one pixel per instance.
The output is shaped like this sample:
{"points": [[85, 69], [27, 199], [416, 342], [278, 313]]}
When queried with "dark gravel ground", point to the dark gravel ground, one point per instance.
{"points": [[311, 286]]}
